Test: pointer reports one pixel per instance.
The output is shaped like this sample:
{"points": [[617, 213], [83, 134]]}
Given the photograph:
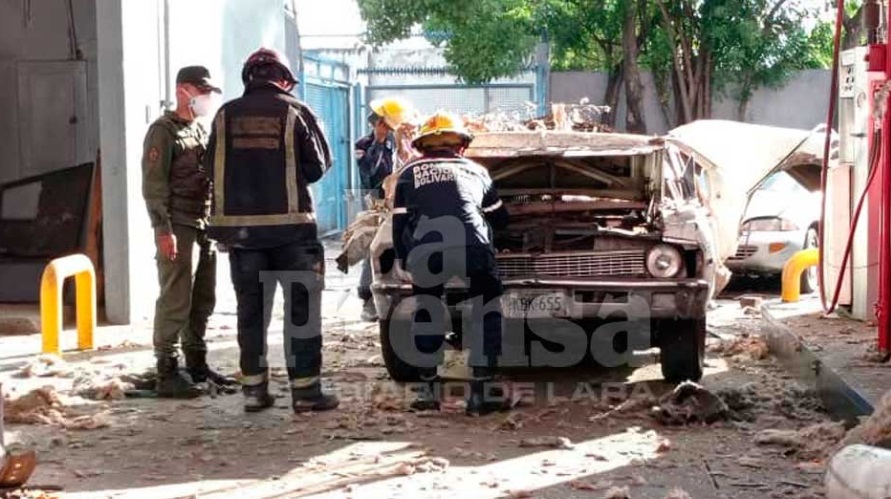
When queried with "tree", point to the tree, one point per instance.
{"points": [[487, 39], [731, 48], [696, 49]]}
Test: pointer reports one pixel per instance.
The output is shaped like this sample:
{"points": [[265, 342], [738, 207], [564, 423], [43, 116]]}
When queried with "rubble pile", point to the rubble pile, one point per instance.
{"points": [[580, 117], [742, 349], [43, 406], [46, 366], [95, 386], [875, 430], [814, 442], [690, 403]]}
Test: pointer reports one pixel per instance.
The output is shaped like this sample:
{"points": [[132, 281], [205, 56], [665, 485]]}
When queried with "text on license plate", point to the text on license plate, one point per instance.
{"points": [[546, 304]]}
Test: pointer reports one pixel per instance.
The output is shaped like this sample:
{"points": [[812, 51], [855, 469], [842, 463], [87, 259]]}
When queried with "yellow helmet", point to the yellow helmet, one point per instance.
{"points": [[393, 110], [442, 128]]}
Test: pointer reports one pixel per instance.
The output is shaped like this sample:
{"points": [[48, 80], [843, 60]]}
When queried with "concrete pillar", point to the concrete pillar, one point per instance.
{"points": [[129, 100]]}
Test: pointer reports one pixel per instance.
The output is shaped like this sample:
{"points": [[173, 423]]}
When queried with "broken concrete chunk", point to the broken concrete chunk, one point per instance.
{"points": [[618, 493], [753, 302], [678, 494], [552, 442], [690, 403], [812, 442], [876, 430]]}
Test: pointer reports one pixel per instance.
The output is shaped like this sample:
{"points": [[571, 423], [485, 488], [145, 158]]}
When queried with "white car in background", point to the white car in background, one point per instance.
{"points": [[782, 218]]}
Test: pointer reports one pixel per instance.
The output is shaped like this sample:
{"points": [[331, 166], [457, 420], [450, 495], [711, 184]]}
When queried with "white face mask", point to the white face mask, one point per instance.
{"points": [[203, 105]]}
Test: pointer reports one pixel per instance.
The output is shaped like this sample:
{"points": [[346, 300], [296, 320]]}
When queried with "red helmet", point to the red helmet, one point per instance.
{"points": [[266, 57]]}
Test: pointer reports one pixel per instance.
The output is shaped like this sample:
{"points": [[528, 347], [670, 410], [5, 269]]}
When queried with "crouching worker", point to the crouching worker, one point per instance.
{"points": [[265, 150], [444, 208]]}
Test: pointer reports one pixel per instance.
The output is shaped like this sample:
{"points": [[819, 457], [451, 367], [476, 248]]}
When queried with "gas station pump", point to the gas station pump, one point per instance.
{"points": [[856, 255]]}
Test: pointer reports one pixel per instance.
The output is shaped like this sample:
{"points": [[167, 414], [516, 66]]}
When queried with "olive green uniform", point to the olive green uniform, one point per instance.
{"points": [[176, 189]]}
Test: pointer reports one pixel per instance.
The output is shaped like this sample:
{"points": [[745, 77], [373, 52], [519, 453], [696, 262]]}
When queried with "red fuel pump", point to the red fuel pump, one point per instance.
{"points": [[879, 56]]}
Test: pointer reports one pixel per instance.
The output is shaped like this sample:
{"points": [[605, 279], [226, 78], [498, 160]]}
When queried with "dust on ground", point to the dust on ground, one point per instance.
{"points": [[583, 432]]}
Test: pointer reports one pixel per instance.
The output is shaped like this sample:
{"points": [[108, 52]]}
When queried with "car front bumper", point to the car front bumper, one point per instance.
{"points": [[572, 299], [755, 256]]}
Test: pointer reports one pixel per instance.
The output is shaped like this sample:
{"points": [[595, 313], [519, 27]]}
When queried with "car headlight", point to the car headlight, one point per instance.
{"points": [[769, 225], [664, 261]]}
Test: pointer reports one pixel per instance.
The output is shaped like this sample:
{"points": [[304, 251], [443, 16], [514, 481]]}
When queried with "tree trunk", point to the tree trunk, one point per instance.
{"points": [[611, 96], [635, 120], [854, 28]]}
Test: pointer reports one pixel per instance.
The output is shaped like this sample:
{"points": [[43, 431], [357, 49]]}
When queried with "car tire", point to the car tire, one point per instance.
{"points": [[810, 277], [399, 370], [682, 345]]}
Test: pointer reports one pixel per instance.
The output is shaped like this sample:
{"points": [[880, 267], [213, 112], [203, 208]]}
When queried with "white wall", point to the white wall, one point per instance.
{"points": [[800, 104], [40, 33]]}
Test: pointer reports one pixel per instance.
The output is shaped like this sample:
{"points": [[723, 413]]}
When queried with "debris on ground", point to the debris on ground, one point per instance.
{"points": [[618, 493], [46, 366], [583, 485], [678, 494], [744, 348], [386, 400], [94, 386], [875, 430], [751, 302], [690, 403], [551, 442], [812, 442], [630, 406], [44, 407]]}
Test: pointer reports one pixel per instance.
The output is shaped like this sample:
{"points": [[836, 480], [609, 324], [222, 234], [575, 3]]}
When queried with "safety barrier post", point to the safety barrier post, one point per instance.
{"points": [[81, 268], [792, 271]]}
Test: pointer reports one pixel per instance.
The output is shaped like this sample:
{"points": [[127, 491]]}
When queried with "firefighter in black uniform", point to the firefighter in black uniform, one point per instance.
{"points": [[443, 209], [265, 150]]}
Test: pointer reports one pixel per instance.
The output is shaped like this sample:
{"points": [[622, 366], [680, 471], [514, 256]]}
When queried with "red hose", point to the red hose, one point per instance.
{"points": [[833, 95]]}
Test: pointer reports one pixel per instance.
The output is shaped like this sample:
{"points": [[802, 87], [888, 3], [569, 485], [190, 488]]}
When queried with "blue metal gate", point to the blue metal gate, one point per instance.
{"points": [[325, 89]]}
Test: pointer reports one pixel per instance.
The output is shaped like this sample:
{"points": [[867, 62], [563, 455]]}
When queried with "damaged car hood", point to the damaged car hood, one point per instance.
{"points": [[746, 154], [737, 157]]}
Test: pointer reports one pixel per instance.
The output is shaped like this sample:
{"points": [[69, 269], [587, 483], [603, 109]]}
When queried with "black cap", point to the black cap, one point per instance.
{"points": [[198, 76]]}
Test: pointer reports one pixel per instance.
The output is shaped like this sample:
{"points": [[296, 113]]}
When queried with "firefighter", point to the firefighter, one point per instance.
{"points": [[265, 150], [444, 209], [176, 189], [376, 154]]}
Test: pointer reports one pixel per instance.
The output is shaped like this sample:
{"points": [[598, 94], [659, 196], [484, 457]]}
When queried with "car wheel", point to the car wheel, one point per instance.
{"points": [[810, 279], [398, 369], [682, 345]]}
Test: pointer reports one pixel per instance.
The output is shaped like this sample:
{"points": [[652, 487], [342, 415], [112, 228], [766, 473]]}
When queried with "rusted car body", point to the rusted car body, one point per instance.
{"points": [[604, 228]]}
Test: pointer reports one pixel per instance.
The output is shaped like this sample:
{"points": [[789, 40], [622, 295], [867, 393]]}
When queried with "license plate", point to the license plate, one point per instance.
{"points": [[535, 304]]}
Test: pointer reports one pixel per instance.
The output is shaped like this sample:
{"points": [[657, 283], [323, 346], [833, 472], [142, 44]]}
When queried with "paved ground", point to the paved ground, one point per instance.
{"points": [[372, 447]]}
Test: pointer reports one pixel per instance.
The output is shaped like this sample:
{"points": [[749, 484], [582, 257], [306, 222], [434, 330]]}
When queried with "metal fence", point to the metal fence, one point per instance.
{"points": [[325, 88]]}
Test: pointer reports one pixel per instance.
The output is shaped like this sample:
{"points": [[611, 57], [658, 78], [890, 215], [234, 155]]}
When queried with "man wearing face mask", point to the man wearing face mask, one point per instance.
{"points": [[176, 189], [265, 150]]}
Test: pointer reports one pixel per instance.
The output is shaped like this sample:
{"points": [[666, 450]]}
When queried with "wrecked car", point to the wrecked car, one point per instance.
{"points": [[605, 228]]}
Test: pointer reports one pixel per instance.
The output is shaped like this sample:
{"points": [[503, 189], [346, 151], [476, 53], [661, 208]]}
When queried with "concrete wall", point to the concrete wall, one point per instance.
{"points": [[37, 31], [800, 104]]}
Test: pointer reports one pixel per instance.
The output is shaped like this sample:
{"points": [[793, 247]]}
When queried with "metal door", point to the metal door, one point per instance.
{"points": [[331, 105]]}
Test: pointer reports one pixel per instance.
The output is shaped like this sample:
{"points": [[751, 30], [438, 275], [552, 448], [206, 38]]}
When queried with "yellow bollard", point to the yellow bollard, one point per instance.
{"points": [[81, 268], [792, 271]]}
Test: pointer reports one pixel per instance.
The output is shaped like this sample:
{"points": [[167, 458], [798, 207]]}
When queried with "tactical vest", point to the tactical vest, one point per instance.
{"points": [[260, 197]]}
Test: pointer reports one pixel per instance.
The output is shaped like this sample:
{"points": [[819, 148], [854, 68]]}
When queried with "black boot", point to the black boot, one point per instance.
{"points": [[312, 398], [429, 393], [485, 396], [173, 382], [257, 397], [196, 365]]}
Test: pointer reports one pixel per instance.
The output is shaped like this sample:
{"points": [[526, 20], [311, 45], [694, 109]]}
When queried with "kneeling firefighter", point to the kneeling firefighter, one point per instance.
{"points": [[445, 207], [265, 150]]}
